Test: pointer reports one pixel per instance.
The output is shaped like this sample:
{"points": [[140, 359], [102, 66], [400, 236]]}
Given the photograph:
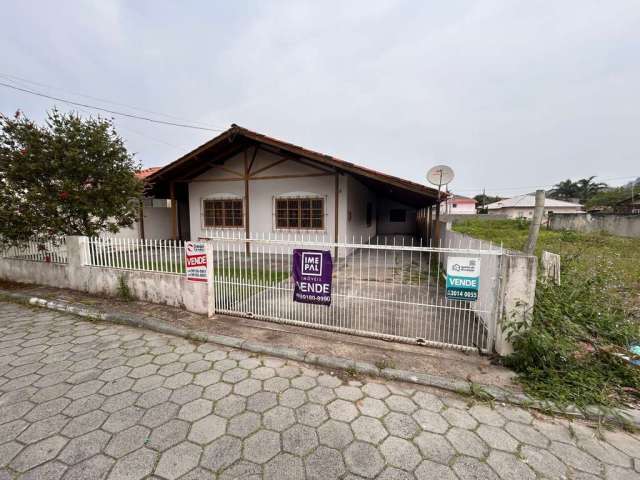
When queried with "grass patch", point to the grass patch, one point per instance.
{"points": [[570, 353]]}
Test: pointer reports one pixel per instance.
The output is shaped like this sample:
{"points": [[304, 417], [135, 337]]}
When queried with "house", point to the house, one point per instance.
{"points": [[628, 206], [245, 182], [522, 206], [458, 205]]}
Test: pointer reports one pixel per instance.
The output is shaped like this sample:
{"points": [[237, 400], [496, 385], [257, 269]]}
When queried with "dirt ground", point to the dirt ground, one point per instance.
{"points": [[443, 362]]}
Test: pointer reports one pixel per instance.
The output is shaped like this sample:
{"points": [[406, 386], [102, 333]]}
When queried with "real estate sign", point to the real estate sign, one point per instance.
{"points": [[312, 271], [463, 278], [196, 261]]}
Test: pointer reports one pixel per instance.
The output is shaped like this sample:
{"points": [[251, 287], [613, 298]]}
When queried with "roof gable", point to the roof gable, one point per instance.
{"points": [[237, 139]]}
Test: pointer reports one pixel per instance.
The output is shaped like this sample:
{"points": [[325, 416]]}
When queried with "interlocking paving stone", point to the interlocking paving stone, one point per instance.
{"points": [[261, 446], [299, 440], [435, 447], [207, 429], [84, 447], [467, 443], [178, 460], [324, 463], [284, 467], [38, 453], [544, 462], [335, 434], [468, 468], [127, 441], [363, 459], [221, 453], [400, 453], [97, 407], [372, 407], [497, 438], [244, 424], [136, 465], [400, 425], [432, 471], [279, 418], [342, 410]]}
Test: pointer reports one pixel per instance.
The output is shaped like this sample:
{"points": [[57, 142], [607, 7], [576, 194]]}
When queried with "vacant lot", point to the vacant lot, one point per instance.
{"points": [[572, 351]]}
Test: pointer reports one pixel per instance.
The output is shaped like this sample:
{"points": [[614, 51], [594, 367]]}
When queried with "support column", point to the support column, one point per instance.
{"points": [[211, 293], [336, 213], [174, 211], [141, 220], [247, 227]]}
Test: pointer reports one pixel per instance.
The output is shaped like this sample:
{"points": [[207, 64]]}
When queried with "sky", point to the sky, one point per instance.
{"points": [[513, 95]]}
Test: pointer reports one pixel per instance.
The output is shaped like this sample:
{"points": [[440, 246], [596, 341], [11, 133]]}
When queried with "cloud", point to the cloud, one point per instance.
{"points": [[508, 93]]}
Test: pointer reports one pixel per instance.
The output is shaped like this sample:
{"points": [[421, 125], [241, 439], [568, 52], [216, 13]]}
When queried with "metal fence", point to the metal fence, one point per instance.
{"points": [[52, 250], [166, 256], [387, 287]]}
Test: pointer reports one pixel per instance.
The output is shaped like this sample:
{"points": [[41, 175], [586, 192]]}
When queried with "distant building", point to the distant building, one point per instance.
{"points": [[522, 206], [458, 205], [628, 206]]}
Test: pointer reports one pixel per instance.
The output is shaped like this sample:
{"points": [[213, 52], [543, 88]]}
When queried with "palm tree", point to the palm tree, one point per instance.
{"points": [[582, 190]]}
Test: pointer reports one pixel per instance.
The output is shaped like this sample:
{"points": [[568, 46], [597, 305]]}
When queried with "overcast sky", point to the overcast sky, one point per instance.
{"points": [[511, 94]]}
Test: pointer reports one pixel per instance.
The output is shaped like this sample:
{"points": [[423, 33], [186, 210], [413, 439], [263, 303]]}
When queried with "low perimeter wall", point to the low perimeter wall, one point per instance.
{"points": [[621, 225], [162, 288], [507, 284]]}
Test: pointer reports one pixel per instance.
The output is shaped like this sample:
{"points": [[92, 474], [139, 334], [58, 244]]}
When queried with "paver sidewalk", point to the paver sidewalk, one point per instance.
{"points": [[85, 400], [441, 362]]}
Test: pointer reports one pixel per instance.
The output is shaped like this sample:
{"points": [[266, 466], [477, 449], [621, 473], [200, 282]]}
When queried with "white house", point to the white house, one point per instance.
{"points": [[247, 182], [458, 205], [522, 206]]}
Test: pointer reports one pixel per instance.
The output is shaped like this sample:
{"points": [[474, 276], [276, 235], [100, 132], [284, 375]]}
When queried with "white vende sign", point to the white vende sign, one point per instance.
{"points": [[463, 278], [196, 261]]}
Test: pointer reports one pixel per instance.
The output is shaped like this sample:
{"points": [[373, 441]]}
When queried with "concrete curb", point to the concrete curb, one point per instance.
{"points": [[484, 392]]}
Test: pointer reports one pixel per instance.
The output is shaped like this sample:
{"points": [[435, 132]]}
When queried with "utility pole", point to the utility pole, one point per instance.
{"points": [[534, 228]]}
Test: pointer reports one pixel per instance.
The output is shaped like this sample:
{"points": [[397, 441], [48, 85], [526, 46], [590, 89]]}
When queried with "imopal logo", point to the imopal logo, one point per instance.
{"points": [[311, 264]]}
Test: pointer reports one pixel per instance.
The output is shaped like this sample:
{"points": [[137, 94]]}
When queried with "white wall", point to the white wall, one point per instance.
{"points": [[524, 212], [157, 225], [358, 196], [386, 227], [263, 192]]}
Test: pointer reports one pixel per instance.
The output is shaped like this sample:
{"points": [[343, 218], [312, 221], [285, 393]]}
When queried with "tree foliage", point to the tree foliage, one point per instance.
{"points": [[69, 176], [582, 190]]}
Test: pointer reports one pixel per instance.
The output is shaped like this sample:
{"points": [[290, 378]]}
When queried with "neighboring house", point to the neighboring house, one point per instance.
{"points": [[458, 205], [242, 181], [628, 206], [155, 219], [522, 206]]}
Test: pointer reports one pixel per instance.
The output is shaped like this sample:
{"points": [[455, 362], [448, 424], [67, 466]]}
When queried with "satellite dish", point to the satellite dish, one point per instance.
{"points": [[440, 175]]}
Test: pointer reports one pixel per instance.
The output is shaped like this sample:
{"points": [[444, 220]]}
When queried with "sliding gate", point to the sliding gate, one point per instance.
{"points": [[387, 287]]}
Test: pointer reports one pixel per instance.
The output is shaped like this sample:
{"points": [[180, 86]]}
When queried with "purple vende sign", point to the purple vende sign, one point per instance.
{"points": [[312, 270]]}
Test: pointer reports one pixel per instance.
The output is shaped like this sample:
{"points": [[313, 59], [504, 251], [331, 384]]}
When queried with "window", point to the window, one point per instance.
{"points": [[300, 213], [369, 213], [397, 215], [455, 205], [223, 213]]}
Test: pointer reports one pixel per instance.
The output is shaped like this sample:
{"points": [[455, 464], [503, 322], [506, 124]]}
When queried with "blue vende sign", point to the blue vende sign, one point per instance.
{"points": [[463, 278], [312, 272]]}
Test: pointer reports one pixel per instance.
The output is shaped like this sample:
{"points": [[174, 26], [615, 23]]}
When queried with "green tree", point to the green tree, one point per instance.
{"points": [[69, 176], [582, 190]]}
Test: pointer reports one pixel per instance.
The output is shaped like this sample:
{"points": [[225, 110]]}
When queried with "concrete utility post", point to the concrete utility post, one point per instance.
{"points": [[534, 228]]}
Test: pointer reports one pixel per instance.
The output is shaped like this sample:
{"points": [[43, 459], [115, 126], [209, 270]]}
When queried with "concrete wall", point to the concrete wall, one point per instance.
{"points": [[525, 212], [507, 285], [163, 288], [386, 226], [622, 225]]}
